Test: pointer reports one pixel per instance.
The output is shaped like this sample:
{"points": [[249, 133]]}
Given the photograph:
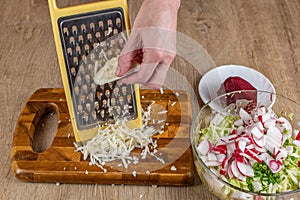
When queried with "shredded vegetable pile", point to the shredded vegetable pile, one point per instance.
{"points": [[116, 142], [257, 151]]}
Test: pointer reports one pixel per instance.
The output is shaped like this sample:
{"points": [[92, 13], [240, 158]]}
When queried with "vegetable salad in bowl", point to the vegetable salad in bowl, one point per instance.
{"points": [[249, 148]]}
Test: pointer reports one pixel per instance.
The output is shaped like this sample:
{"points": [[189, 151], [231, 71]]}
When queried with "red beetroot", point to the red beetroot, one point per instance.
{"points": [[232, 84]]}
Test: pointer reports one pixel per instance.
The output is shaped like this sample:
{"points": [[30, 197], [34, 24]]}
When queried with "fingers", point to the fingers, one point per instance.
{"points": [[155, 49], [131, 52], [125, 62], [149, 62], [155, 80], [153, 69]]}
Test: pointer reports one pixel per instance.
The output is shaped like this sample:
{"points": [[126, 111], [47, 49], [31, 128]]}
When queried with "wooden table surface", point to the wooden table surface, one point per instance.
{"points": [[260, 34]]}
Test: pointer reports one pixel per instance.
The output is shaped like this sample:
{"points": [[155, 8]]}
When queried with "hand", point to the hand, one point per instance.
{"points": [[152, 43]]}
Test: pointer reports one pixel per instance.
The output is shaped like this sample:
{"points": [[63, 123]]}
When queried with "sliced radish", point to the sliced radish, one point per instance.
{"points": [[259, 118], [275, 133], [245, 169], [220, 142], [270, 123], [220, 149], [236, 172], [237, 155], [248, 129], [220, 157], [242, 168], [244, 137], [260, 142], [239, 122], [255, 150], [225, 163], [274, 137], [271, 144], [275, 152], [253, 155], [235, 138], [230, 149], [249, 171], [223, 172], [274, 166], [263, 118], [252, 162], [212, 163], [240, 130], [229, 172], [256, 133], [260, 126], [211, 157], [261, 110], [241, 144], [204, 147], [285, 124], [250, 146], [233, 131], [279, 161], [249, 158], [244, 115], [229, 138], [265, 156], [258, 150]]}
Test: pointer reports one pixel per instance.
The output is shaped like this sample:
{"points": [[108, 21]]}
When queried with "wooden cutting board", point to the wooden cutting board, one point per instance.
{"points": [[61, 164]]}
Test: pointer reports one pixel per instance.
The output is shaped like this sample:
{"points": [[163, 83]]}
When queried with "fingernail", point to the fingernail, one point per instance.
{"points": [[118, 71]]}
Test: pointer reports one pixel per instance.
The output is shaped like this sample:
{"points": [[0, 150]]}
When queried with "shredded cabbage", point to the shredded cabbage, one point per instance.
{"points": [[263, 181]]}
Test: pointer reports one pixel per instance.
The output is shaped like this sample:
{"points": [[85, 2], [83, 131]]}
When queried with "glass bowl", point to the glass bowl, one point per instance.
{"points": [[230, 104]]}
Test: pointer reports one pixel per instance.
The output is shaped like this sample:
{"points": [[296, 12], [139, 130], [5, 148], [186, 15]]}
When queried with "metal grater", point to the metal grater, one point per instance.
{"points": [[86, 37]]}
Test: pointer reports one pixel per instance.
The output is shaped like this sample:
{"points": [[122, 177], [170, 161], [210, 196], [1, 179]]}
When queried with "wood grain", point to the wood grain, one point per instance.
{"points": [[61, 164], [263, 35]]}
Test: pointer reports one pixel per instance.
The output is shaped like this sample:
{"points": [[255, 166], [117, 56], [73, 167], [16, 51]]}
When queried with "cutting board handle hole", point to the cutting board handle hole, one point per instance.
{"points": [[46, 128]]}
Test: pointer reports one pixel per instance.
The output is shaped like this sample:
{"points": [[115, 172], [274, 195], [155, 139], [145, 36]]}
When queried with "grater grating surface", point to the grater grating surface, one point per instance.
{"points": [[89, 41]]}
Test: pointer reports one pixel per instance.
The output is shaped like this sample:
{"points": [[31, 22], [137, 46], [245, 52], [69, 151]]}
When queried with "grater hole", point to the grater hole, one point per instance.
{"points": [[80, 39], [74, 30], [66, 31], [92, 27], [72, 41], [118, 22], [109, 23]]}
